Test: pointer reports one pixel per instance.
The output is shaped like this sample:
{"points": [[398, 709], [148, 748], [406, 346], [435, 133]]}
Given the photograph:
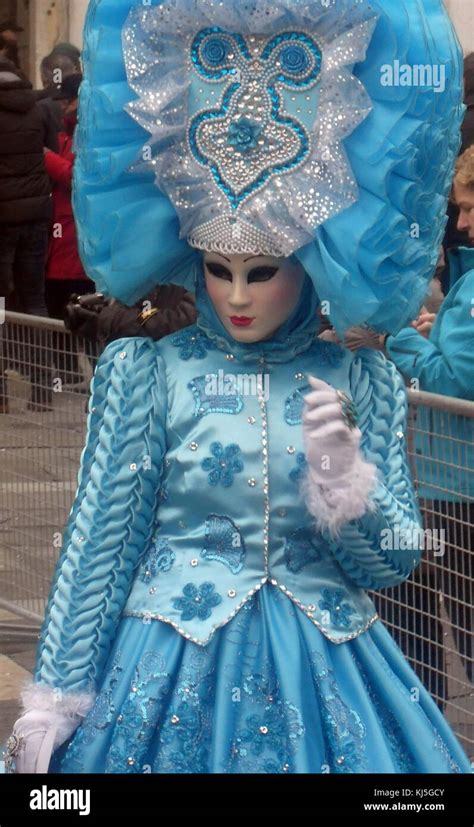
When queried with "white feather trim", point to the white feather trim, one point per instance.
{"points": [[39, 696], [347, 499]]}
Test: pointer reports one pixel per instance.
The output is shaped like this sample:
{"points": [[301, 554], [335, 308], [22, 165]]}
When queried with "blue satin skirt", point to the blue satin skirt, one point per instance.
{"points": [[268, 694]]}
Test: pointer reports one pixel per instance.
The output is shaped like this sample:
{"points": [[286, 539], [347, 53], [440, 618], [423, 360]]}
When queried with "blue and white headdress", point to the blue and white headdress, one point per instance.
{"points": [[324, 129], [247, 107]]}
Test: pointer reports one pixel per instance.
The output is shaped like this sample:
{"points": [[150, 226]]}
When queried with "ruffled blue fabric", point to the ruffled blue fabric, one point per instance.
{"points": [[380, 253], [268, 695], [377, 387], [124, 430], [372, 262]]}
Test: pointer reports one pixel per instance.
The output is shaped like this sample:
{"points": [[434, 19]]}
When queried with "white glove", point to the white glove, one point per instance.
{"points": [[49, 719], [37, 734], [339, 481], [331, 447]]}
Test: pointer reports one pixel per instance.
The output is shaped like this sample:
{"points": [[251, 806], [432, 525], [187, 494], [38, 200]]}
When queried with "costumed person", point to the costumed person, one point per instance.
{"points": [[208, 612]]}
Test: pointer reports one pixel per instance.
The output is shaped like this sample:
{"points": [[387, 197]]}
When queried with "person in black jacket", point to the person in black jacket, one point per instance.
{"points": [[100, 321], [54, 68], [9, 31], [166, 310], [25, 213]]}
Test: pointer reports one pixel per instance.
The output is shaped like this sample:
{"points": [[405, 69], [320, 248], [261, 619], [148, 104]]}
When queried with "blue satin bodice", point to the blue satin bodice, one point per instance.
{"points": [[189, 491]]}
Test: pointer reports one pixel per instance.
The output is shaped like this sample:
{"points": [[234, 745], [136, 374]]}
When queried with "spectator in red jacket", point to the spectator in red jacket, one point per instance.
{"points": [[64, 272]]}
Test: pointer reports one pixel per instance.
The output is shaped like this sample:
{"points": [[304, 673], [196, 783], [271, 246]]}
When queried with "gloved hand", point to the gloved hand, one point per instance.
{"points": [[81, 321], [50, 717], [35, 736], [339, 481], [331, 447]]}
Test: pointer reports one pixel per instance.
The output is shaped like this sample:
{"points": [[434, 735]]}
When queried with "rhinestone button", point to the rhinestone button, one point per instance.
{"points": [[133, 466], [230, 357], [291, 449], [194, 562], [252, 482], [193, 446], [251, 420], [299, 376], [123, 355], [400, 434], [231, 592]]}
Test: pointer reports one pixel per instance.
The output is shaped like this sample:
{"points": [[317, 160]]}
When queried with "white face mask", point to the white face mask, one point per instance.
{"points": [[252, 295]]}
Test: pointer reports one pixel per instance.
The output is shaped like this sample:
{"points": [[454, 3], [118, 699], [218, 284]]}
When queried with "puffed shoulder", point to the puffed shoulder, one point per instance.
{"points": [[130, 349], [376, 365], [378, 391]]}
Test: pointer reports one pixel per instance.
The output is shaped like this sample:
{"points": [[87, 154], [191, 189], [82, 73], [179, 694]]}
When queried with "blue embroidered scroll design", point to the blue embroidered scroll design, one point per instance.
{"points": [[160, 557], [302, 547], [294, 405], [208, 402], [297, 474], [224, 542]]}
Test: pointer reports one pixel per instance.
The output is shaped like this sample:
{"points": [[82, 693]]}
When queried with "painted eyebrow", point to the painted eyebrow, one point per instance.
{"points": [[245, 259], [220, 254]]}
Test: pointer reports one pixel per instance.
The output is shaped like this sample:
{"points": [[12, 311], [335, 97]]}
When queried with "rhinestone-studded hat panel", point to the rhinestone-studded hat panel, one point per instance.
{"points": [[247, 118]]}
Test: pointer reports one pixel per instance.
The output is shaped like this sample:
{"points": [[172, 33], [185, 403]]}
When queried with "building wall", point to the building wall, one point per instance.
{"points": [[462, 15], [77, 15], [48, 22], [51, 22], [461, 11], [48, 25]]}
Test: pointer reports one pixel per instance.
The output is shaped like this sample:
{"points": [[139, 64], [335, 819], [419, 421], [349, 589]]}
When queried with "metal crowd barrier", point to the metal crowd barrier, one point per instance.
{"points": [[431, 614], [44, 387]]}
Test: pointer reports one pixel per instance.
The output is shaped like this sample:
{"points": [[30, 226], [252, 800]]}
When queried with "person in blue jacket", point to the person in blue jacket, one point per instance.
{"points": [[442, 362], [242, 482]]}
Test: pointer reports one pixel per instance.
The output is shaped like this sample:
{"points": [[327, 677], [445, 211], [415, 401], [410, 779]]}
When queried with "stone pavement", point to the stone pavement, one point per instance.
{"points": [[39, 460], [16, 665]]}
